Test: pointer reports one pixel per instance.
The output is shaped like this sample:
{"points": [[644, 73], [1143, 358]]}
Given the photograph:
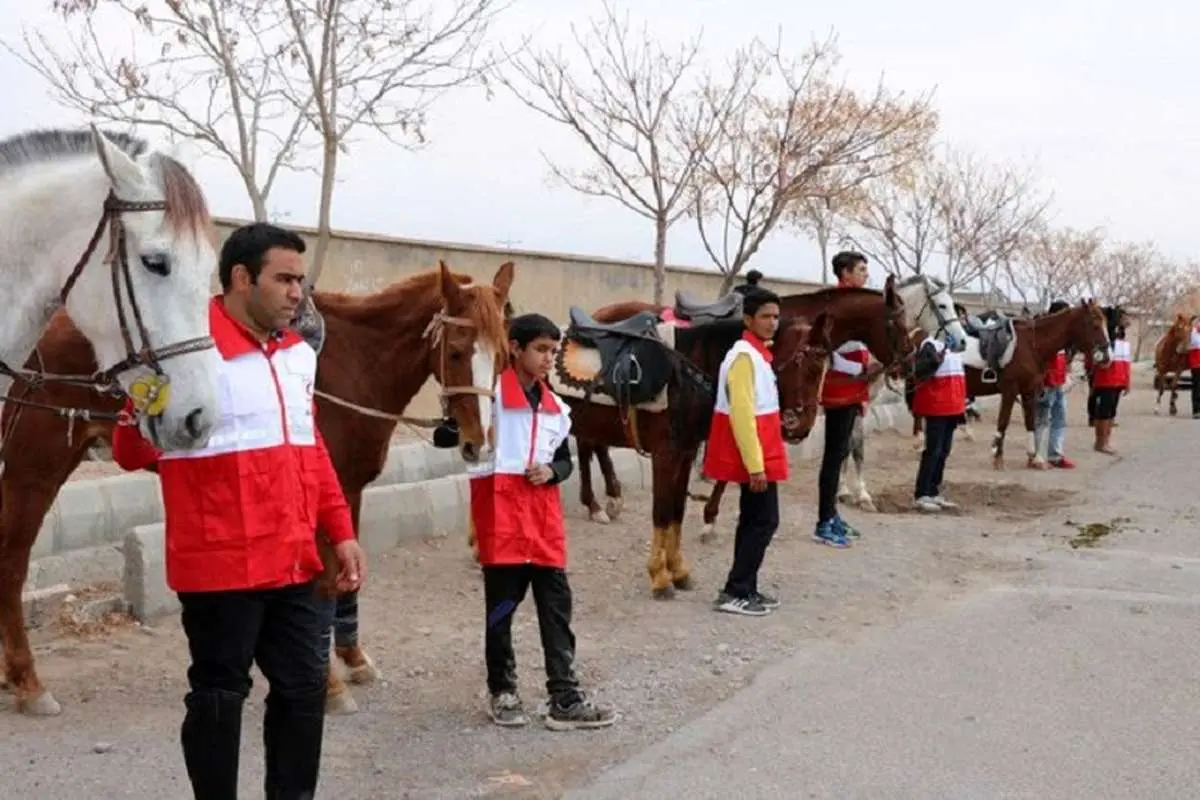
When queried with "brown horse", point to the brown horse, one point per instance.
{"points": [[1081, 328], [378, 352], [1170, 360], [877, 318]]}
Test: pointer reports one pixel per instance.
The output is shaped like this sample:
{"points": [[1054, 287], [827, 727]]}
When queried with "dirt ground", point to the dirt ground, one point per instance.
{"points": [[422, 731]]}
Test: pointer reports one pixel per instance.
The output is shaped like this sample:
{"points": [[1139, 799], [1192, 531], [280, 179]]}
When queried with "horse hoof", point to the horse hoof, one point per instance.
{"points": [[599, 517], [845, 497], [340, 704], [867, 504], [614, 506], [41, 705], [708, 533], [363, 674], [684, 584], [665, 593]]}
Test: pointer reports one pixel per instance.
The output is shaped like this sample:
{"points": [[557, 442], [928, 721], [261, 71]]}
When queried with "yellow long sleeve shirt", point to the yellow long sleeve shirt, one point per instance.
{"points": [[742, 404]]}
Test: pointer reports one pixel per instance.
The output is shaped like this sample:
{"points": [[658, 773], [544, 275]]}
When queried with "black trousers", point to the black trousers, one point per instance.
{"points": [[1196, 391], [939, 438], [758, 519], [839, 425], [1091, 402], [281, 630], [1106, 404], [504, 588]]}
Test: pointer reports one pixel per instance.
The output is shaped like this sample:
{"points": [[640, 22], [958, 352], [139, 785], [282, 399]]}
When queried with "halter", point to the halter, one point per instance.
{"points": [[802, 354]]}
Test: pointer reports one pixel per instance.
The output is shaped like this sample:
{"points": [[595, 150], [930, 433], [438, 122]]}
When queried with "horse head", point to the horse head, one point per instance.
{"points": [[931, 307], [801, 352], [1091, 331]]}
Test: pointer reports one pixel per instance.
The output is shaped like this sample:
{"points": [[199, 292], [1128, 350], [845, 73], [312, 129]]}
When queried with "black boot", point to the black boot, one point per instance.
{"points": [[211, 736], [292, 733]]}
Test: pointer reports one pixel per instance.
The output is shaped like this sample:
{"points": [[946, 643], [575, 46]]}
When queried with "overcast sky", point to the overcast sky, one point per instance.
{"points": [[1099, 94]]}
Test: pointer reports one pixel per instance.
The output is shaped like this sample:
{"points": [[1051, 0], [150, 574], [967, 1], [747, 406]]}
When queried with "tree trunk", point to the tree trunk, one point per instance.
{"points": [[660, 259], [726, 284], [823, 245], [328, 174]]}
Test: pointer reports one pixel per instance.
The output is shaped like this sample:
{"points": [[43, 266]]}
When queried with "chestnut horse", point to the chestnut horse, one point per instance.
{"points": [[877, 318], [378, 351], [1171, 360], [1081, 328]]}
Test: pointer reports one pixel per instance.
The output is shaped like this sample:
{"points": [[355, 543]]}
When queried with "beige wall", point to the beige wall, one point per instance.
{"points": [[545, 282]]}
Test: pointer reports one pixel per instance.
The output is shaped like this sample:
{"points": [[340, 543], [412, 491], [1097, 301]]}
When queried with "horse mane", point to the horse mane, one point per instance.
{"points": [[379, 311], [921, 277], [829, 291], [187, 209]]}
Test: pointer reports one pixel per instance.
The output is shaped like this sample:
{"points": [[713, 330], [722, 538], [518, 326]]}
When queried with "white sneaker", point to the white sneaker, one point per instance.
{"points": [[944, 503], [928, 505]]}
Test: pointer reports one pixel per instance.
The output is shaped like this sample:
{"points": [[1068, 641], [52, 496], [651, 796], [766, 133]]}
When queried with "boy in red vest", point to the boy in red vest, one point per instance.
{"points": [[517, 513], [941, 398], [745, 446], [1052, 409], [1109, 382], [843, 398], [1193, 362]]}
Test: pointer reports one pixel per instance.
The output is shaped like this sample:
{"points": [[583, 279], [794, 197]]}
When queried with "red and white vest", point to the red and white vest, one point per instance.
{"points": [[722, 459], [1115, 374], [242, 512], [1193, 360], [1056, 373], [945, 393], [515, 521]]}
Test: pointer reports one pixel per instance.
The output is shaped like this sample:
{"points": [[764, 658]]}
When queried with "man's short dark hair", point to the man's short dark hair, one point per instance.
{"points": [[248, 245], [847, 260], [527, 328], [756, 298]]}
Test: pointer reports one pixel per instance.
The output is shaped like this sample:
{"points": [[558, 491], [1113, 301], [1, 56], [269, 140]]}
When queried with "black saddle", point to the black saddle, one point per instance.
{"points": [[635, 364], [688, 307], [995, 332]]}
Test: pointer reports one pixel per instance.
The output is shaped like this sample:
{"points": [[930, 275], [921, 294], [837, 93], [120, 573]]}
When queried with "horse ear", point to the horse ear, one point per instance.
{"points": [[890, 298], [124, 173], [502, 280], [451, 291]]}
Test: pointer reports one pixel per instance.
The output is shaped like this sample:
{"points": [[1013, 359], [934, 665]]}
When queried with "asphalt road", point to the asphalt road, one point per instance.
{"points": [[1075, 681]]}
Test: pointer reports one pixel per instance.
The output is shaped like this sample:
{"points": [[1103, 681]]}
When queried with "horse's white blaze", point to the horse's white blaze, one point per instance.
{"points": [[483, 377], [51, 196]]}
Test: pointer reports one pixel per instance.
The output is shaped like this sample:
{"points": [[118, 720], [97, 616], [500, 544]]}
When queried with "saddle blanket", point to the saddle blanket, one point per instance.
{"points": [[582, 363], [972, 357]]}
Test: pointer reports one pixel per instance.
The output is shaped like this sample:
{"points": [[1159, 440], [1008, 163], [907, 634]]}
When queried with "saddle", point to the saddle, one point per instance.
{"points": [[994, 330], [309, 323], [691, 309], [635, 365]]}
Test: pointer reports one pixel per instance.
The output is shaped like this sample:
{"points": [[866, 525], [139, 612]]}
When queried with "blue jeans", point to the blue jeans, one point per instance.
{"points": [[1052, 418]]}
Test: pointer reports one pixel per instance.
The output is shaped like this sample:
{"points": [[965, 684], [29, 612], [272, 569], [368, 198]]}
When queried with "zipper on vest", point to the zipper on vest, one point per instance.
{"points": [[287, 437]]}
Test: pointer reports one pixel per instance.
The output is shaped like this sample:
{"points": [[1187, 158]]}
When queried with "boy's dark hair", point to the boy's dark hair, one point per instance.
{"points": [[756, 298], [1058, 305], [847, 260], [527, 328], [753, 277], [248, 245]]}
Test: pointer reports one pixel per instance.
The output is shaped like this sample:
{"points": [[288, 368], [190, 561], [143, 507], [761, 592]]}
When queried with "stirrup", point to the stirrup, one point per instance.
{"points": [[988, 375]]}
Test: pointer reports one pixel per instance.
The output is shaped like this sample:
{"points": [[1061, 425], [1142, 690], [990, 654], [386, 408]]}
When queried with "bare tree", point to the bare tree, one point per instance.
{"points": [[1054, 263], [788, 126], [628, 101], [824, 213], [364, 64], [952, 215], [201, 71]]}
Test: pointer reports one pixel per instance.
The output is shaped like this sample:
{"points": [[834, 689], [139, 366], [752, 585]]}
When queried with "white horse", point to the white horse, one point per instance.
{"points": [[121, 236], [929, 307]]}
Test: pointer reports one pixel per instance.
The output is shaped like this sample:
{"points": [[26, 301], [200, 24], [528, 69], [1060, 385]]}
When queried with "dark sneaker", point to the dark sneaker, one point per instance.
{"points": [[746, 606], [828, 533], [766, 601], [583, 714], [848, 530], [506, 710]]}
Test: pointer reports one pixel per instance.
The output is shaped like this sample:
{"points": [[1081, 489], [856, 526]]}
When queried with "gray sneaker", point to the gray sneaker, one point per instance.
{"points": [[767, 601], [746, 606], [583, 714], [506, 710]]}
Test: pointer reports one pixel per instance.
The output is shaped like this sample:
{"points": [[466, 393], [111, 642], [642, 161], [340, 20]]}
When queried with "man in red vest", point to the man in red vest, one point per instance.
{"points": [[843, 398], [1052, 409], [940, 398], [1109, 382], [745, 446], [516, 510], [1193, 362], [241, 521]]}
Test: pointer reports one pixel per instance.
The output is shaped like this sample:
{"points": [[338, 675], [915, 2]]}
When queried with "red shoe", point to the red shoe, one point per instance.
{"points": [[1063, 463]]}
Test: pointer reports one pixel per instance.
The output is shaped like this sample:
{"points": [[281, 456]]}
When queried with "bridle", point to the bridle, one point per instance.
{"points": [[797, 360], [150, 393]]}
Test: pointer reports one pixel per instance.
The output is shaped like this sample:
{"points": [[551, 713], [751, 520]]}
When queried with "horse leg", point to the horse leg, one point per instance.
{"points": [[587, 497], [1006, 406], [358, 665], [712, 507], [662, 511], [681, 574], [918, 430], [1174, 410], [21, 514], [858, 455], [612, 487], [1029, 416], [1160, 386]]}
